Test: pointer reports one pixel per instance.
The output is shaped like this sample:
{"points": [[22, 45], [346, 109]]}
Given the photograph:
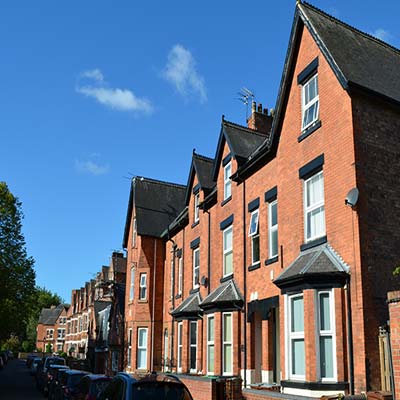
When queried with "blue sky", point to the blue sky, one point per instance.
{"points": [[94, 92]]}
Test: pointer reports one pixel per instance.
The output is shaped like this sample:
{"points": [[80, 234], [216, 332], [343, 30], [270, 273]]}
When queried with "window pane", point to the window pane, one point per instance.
{"points": [[142, 358], [142, 337], [210, 358], [324, 309], [253, 228], [228, 263], [255, 249], [193, 333], [316, 222], [210, 329], [274, 213], [297, 314], [227, 327], [298, 357], [227, 358], [326, 354], [193, 358], [228, 239], [274, 243]]}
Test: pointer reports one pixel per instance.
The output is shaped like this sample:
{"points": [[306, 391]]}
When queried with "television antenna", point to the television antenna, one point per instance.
{"points": [[246, 96]]}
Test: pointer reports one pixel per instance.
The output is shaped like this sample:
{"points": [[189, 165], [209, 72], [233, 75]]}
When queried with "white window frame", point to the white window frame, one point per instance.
{"points": [[172, 279], [304, 106], [227, 180], [272, 229], [196, 207], [196, 267], [227, 344], [254, 234], [129, 353], [134, 232], [180, 275], [180, 347], [132, 285], [142, 348], [312, 207], [227, 251], [291, 336], [326, 333], [193, 345], [143, 286], [210, 343]]}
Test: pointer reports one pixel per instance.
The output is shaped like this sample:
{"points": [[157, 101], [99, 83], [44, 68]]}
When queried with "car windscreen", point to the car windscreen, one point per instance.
{"points": [[74, 379], [159, 390], [98, 386]]}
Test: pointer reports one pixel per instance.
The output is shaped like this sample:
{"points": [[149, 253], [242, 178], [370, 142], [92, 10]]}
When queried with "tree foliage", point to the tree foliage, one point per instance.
{"points": [[17, 275]]}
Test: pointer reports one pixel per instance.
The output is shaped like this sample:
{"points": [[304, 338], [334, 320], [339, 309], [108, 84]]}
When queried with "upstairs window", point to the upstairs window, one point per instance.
{"points": [[273, 229], [228, 250], [255, 238], [143, 287], [134, 233], [180, 275], [196, 206], [132, 284], [227, 180], [310, 102], [314, 207], [196, 267]]}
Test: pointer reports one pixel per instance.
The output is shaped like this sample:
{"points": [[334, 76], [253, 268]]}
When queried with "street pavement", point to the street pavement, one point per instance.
{"points": [[16, 383]]}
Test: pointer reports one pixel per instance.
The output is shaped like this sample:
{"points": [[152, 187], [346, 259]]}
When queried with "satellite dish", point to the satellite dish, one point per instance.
{"points": [[352, 197], [204, 280]]}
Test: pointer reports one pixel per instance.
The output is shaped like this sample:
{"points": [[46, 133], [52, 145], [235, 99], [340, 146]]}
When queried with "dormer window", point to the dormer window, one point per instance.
{"points": [[310, 102], [196, 206], [227, 180]]}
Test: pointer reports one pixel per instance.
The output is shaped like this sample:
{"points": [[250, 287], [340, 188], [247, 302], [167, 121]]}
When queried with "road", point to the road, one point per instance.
{"points": [[16, 383]]}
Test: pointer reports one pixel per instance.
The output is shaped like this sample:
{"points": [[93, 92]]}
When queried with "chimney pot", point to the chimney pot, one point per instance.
{"points": [[259, 107], [253, 106], [265, 111]]}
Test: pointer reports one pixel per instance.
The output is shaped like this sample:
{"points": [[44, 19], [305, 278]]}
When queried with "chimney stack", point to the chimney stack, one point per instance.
{"points": [[260, 120]]}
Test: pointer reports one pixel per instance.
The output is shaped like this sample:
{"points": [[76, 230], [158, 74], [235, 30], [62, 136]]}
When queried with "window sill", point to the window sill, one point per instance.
{"points": [[271, 260], [143, 301], [194, 290], [254, 267], [313, 243], [227, 200], [195, 224], [226, 278], [308, 131]]}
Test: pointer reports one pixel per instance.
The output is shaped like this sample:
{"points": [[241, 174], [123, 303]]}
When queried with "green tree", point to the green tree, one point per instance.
{"points": [[17, 275]]}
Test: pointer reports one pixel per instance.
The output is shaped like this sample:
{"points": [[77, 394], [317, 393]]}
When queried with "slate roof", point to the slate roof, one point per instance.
{"points": [[203, 168], [362, 58], [189, 306], [49, 316], [357, 59], [227, 293], [157, 203], [315, 262], [242, 142]]}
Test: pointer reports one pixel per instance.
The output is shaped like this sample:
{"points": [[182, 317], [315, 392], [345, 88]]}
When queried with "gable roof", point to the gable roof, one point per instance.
{"points": [[242, 142], [157, 203], [226, 295], [189, 307], [49, 316], [357, 59], [318, 264], [203, 167]]}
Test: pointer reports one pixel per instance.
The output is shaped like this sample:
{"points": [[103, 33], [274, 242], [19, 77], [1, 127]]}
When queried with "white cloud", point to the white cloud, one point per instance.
{"points": [[181, 72], [382, 34], [115, 98], [91, 167], [95, 74]]}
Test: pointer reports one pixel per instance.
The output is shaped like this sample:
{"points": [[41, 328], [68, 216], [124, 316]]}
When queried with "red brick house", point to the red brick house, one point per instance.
{"points": [[51, 328], [272, 272], [152, 206]]}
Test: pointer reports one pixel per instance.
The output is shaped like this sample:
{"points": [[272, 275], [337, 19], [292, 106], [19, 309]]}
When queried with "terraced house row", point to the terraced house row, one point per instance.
{"points": [[273, 262]]}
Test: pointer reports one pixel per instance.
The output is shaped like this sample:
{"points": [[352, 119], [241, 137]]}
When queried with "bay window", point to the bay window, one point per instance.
{"points": [[142, 348]]}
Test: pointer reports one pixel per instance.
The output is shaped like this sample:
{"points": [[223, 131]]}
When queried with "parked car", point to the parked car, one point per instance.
{"points": [[52, 376], [4, 356], [154, 386], [41, 373], [67, 382], [34, 364], [90, 387], [29, 359], [1, 363]]}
